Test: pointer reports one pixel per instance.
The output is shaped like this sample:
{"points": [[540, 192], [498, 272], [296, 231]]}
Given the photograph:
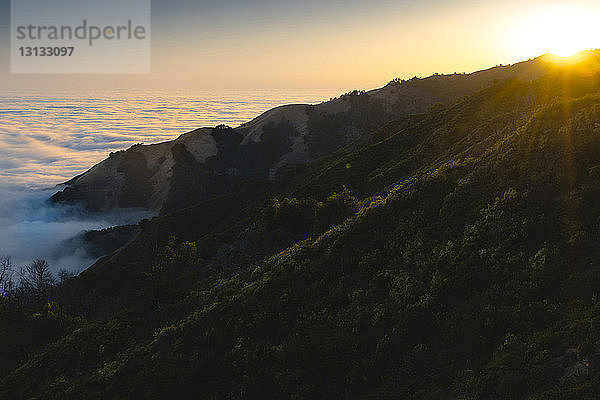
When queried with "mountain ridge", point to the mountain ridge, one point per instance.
{"points": [[287, 135]]}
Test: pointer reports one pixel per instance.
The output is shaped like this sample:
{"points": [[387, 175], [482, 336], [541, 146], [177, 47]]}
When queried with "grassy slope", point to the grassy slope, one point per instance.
{"points": [[474, 274]]}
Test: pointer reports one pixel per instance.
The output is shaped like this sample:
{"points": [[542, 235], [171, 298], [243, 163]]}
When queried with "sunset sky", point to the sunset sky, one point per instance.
{"points": [[331, 43]]}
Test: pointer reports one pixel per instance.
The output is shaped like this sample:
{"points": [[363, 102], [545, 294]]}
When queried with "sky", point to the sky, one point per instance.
{"points": [[214, 44]]}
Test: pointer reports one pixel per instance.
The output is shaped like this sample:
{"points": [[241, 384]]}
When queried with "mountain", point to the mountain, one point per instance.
{"points": [[208, 162], [446, 254]]}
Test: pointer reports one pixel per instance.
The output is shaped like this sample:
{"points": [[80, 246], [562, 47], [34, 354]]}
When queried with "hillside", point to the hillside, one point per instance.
{"points": [[451, 253], [208, 162]]}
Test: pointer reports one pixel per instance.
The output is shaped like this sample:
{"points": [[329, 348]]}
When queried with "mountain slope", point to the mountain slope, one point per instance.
{"points": [[463, 265], [208, 162]]}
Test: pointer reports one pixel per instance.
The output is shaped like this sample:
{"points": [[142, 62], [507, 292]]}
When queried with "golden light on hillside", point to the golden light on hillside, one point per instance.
{"points": [[561, 30]]}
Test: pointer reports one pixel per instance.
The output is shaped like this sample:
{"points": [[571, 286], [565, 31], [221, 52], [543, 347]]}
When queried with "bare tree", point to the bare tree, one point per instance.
{"points": [[64, 275], [6, 276], [37, 278]]}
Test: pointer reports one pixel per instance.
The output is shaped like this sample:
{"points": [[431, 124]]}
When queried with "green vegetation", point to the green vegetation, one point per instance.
{"points": [[451, 254]]}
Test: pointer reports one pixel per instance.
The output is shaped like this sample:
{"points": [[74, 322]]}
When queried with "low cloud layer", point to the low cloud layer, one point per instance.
{"points": [[31, 228], [47, 139]]}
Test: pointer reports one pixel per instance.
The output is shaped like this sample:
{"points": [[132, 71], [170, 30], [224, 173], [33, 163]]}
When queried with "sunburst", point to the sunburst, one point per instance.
{"points": [[561, 30]]}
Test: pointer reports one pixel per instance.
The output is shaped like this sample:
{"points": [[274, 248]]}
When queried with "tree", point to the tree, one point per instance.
{"points": [[64, 275], [6, 275], [37, 279]]}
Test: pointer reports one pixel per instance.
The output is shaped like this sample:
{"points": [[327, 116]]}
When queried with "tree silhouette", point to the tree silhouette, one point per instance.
{"points": [[37, 279], [6, 272]]}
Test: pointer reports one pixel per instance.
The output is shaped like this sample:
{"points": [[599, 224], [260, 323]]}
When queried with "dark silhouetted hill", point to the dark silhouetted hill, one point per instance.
{"points": [[452, 253]]}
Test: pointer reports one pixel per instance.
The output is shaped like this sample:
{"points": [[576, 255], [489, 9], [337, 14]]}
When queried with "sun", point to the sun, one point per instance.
{"points": [[560, 30]]}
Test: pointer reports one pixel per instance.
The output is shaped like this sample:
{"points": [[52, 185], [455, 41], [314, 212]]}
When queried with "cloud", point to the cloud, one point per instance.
{"points": [[31, 228]]}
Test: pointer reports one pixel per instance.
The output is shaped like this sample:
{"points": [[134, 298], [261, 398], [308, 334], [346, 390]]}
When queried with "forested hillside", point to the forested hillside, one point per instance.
{"points": [[448, 254]]}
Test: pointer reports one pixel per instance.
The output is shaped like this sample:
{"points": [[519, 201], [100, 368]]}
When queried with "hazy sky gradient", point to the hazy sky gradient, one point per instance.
{"points": [[312, 43]]}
